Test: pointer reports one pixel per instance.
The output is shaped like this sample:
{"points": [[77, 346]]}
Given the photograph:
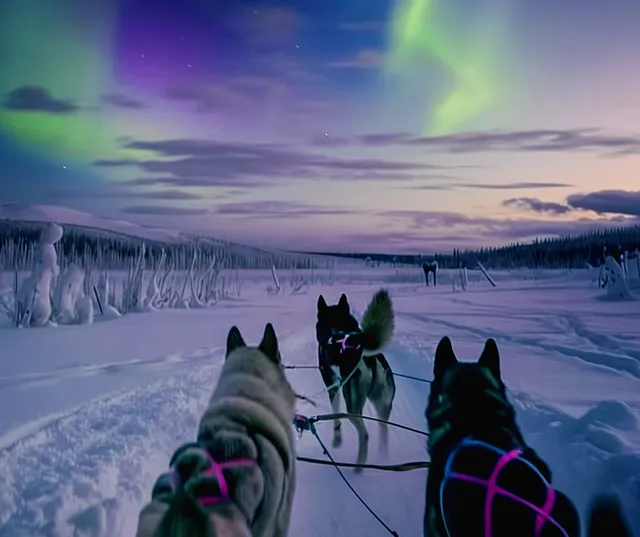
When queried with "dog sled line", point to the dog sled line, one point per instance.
{"points": [[342, 356]]}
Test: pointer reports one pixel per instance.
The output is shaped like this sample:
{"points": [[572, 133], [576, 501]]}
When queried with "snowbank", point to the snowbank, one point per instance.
{"points": [[588, 454]]}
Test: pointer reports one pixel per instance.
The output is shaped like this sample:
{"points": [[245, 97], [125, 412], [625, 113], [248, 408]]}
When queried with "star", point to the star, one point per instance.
{"points": [[297, 46], [64, 167], [188, 65], [326, 134], [142, 56]]}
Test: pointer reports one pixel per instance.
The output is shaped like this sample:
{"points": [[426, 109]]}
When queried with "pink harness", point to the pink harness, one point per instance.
{"points": [[215, 470]]}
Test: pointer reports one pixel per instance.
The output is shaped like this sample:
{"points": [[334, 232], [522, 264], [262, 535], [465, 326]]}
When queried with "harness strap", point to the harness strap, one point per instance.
{"points": [[343, 341], [543, 514], [214, 469]]}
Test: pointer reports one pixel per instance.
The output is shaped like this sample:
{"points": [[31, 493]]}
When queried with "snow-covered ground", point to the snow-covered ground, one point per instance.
{"points": [[91, 414]]}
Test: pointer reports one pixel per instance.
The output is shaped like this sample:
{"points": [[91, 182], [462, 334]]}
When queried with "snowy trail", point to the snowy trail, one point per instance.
{"points": [[102, 456], [86, 471]]}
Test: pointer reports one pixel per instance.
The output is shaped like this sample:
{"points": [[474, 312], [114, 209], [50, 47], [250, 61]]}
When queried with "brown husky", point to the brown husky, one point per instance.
{"points": [[238, 479]]}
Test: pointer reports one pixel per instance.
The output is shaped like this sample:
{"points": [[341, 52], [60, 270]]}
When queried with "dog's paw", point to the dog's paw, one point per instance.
{"points": [[337, 439], [358, 470]]}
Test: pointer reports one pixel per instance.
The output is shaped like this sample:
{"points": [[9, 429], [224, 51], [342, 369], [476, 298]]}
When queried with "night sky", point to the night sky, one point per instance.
{"points": [[342, 125]]}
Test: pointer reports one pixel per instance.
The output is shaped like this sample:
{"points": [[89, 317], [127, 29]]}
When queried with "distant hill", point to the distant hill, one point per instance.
{"points": [[20, 221], [23, 212]]}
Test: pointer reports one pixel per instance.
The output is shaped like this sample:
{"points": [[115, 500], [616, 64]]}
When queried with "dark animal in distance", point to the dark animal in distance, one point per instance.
{"points": [[430, 268]]}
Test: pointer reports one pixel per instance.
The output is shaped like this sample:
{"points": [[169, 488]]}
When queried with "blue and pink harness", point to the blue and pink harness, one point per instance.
{"points": [[498, 475]]}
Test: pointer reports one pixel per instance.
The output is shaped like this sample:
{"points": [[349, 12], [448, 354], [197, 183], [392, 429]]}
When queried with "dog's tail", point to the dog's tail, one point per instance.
{"points": [[378, 323], [606, 518]]}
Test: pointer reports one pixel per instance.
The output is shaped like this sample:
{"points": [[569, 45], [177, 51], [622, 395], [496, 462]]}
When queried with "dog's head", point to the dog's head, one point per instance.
{"points": [[263, 361], [467, 399], [267, 348], [333, 323]]}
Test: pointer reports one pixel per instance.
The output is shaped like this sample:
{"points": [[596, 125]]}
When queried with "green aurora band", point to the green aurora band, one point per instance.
{"points": [[72, 61], [415, 36]]}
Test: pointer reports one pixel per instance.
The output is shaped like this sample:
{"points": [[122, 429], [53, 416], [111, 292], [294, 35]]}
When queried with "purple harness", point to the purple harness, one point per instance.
{"points": [[543, 514]]}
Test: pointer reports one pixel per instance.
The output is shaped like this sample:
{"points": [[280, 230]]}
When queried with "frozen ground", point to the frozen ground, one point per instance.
{"points": [[90, 414]]}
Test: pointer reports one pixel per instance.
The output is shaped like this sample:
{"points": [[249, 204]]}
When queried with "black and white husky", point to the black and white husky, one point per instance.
{"points": [[349, 358]]}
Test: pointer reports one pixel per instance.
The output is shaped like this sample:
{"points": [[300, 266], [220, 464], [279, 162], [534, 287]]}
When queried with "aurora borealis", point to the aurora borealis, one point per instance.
{"points": [[386, 125]]}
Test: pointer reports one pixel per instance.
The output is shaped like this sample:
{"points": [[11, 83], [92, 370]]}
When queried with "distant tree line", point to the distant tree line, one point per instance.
{"points": [[106, 249], [115, 251], [563, 252]]}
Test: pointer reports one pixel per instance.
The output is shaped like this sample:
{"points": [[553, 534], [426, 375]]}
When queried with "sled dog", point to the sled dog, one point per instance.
{"points": [[238, 478], [484, 479], [349, 361]]}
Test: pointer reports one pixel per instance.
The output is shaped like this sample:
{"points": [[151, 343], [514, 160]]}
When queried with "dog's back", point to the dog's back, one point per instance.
{"points": [[484, 479], [483, 476], [238, 478]]}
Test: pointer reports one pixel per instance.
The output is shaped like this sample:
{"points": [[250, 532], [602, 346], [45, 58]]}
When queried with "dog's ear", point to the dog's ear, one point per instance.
{"points": [[269, 344], [234, 340], [444, 358], [322, 303], [490, 358], [344, 303]]}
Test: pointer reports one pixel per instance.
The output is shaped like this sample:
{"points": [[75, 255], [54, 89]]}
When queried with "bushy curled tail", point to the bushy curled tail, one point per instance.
{"points": [[606, 518], [378, 322]]}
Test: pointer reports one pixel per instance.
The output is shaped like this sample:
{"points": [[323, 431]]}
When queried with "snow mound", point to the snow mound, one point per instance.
{"points": [[589, 454], [614, 414], [616, 285]]}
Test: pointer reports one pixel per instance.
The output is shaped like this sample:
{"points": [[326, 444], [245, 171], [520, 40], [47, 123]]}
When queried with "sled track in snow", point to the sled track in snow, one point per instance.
{"points": [[86, 471], [621, 361], [112, 447]]}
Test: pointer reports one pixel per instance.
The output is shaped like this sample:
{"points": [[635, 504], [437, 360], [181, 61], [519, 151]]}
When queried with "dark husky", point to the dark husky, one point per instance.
{"points": [[349, 358], [484, 480]]}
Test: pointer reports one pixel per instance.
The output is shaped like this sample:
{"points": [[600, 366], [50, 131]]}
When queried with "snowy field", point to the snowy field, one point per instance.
{"points": [[91, 414]]}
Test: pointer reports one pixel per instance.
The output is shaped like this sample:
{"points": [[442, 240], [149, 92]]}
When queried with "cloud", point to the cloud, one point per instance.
{"points": [[456, 184], [462, 227], [364, 59], [120, 100], [512, 186], [362, 26], [119, 192], [217, 163], [280, 210], [115, 163], [536, 205], [607, 202], [208, 98], [619, 202], [164, 210], [37, 99], [523, 141]]}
